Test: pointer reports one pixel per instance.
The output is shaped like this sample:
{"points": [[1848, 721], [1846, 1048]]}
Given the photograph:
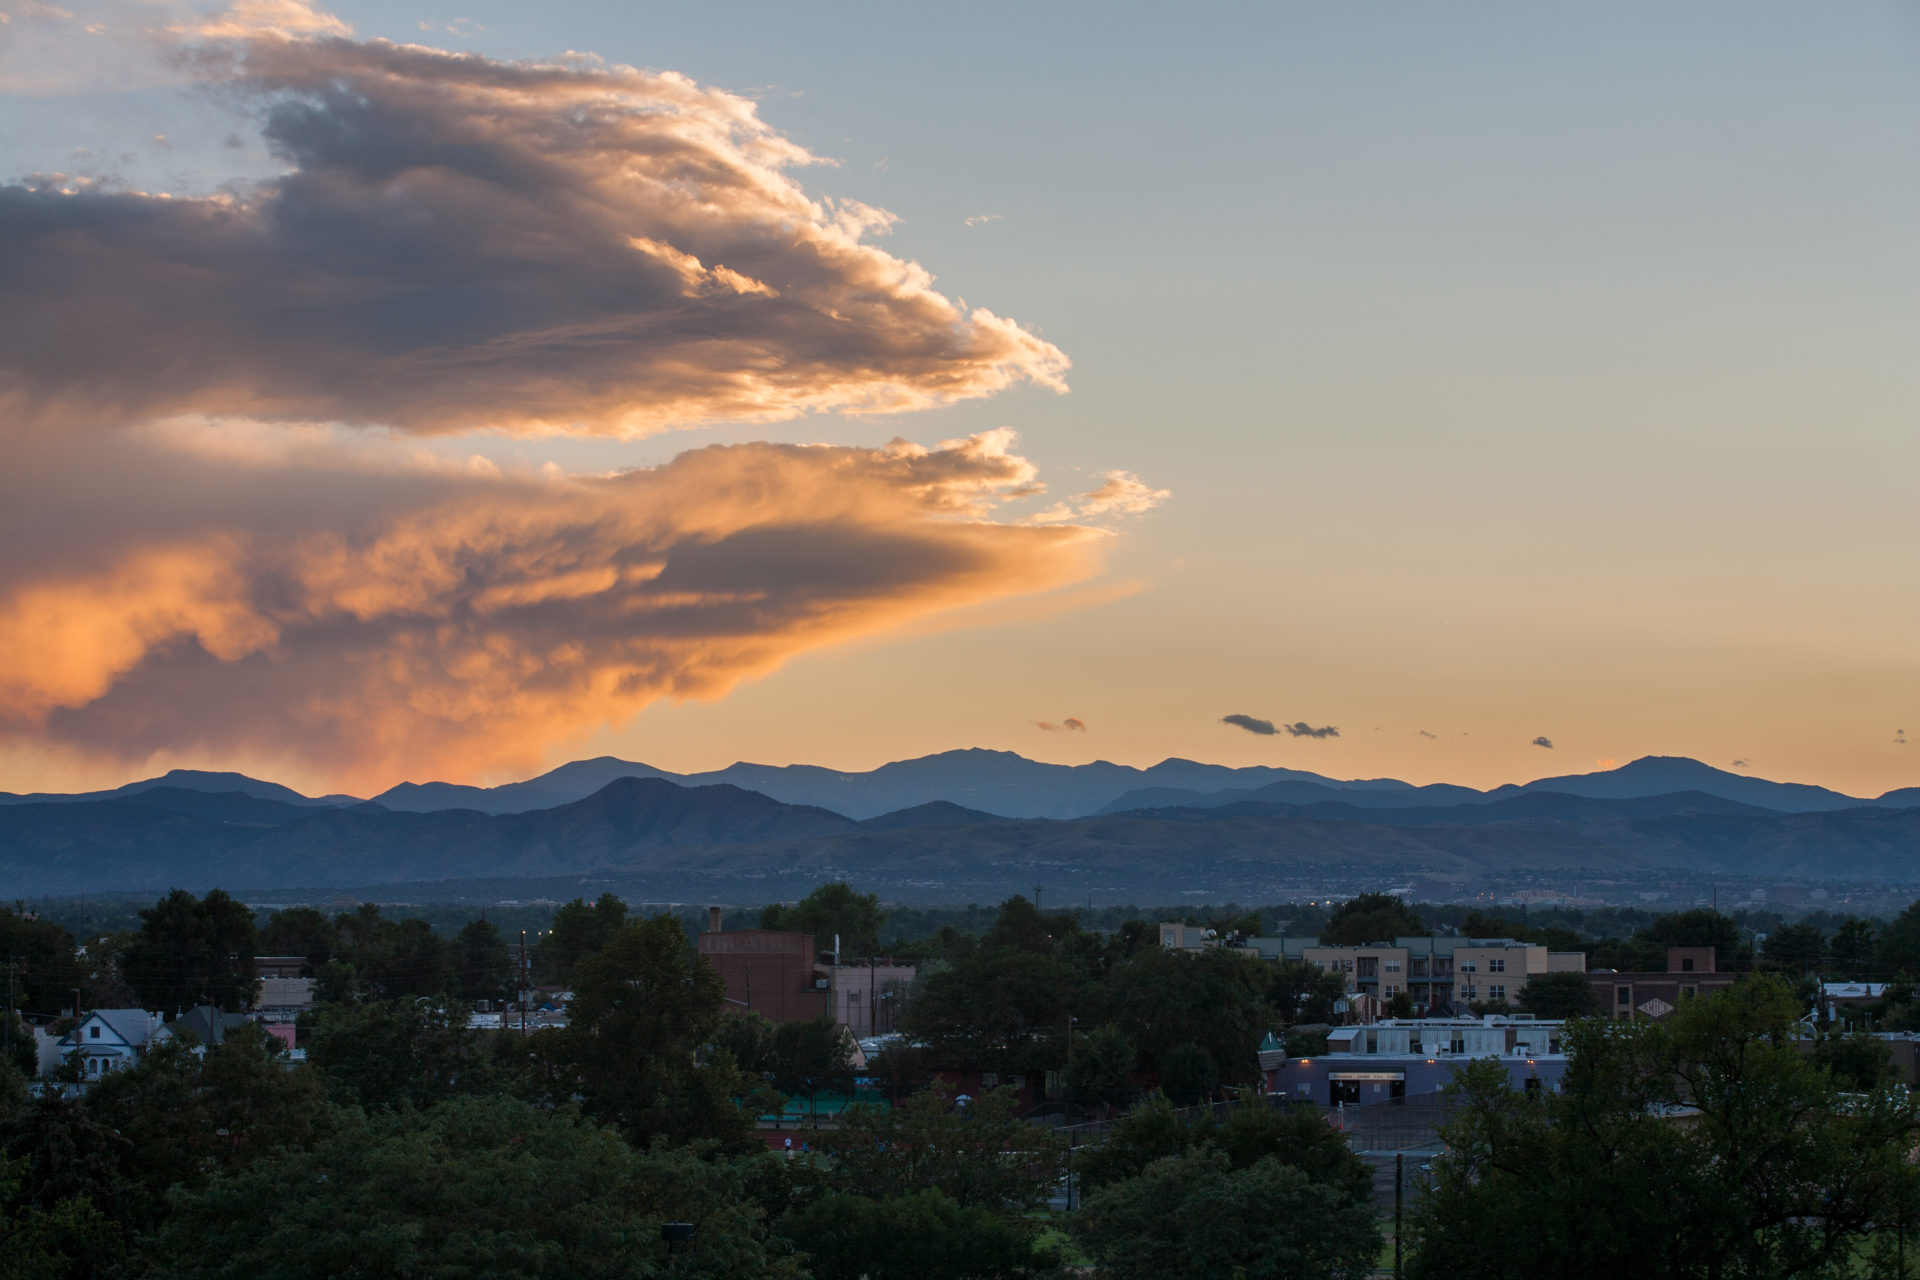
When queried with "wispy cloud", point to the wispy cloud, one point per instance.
{"points": [[1606, 762], [980, 218], [1743, 763], [1252, 724], [1900, 737], [1301, 729], [1543, 741], [1424, 734], [1120, 493], [1071, 724]]}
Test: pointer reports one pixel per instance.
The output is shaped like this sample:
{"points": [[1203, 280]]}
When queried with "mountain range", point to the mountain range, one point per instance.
{"points": [[1011, 786], [1656, 816]]}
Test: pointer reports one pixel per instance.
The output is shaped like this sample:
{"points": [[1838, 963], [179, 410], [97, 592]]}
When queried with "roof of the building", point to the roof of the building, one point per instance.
{"points": [[133, 1026]]}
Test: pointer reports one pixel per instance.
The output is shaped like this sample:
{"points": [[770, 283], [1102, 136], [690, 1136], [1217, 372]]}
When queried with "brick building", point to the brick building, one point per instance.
{"points": [[1690, 972], [768, 971]]}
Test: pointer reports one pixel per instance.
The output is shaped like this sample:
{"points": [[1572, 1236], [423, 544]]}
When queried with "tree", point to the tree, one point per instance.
{"points": [[1793, 949], [1897, 948], [1188, 1074], [812, 1057], [923, 1235], [300, 931], [1100, 1067], [1773, 1173], [1371, 917], [1559, 995], [193, 951], [832, 909], [396, 1053], [981, 1155], [995, 1009], [482, 964], [1700, 927], [73, 1238], [749, 1037], [46, 971], [1196, 1217], [185, 1112], [578, 931], [643, 1007], [1302, 992], [487, 1188], [1211, 999], [400, 958], [1254, 1130]]}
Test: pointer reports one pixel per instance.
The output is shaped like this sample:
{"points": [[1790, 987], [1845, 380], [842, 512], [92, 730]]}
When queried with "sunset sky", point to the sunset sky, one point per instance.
{"points": [[397, 392]]}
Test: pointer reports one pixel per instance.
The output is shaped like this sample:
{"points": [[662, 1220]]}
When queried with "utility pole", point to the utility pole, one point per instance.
{"points": [[1399, 1167], [1036, 898], [525, 975]]}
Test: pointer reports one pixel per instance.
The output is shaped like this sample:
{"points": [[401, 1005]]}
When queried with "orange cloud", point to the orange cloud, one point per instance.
{"points": [[189, 566], [463, 243], [485, 617]]}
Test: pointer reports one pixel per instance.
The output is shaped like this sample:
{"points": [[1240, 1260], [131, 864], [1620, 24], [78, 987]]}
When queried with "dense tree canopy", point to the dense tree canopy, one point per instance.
{"points": [[192, 951], [1704, 1146], [477, 1187], [1371, 917], [833, 910]]}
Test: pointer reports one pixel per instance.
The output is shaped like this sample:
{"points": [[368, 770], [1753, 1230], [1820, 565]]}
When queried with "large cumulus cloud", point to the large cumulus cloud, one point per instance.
{"points": [[219, 546], [468, 619], [462, 242]]}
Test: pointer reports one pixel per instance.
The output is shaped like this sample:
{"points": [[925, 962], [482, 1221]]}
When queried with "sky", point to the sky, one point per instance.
{"points": [[399, 392]]}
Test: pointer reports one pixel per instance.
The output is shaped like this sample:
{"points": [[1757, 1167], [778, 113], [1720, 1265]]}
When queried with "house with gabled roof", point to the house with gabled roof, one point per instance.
{"points": [[109, 1040]]}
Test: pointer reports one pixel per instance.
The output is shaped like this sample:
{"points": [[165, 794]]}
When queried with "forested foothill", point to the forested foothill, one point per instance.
{"points": [[629, 1142]]}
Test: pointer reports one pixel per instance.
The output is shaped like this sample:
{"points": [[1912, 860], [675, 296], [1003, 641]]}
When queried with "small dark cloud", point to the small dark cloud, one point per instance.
{"points": [[1543, 741], [233, 143], [1743, 763], [1072, 724], [1252, 724], [1301, 729], [1900, 736], [1424, 734]]}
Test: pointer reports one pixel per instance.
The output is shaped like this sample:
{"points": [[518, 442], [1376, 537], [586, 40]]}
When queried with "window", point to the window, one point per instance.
{"points": [[1393, 966], [94, 1032], [1686, 965], [1497, 991], [1687, 992], [1496, 966], [1373, 1042], [1458, 1044], [1623, 995], [1470, 992], [1466, 966], [989, 1080]]}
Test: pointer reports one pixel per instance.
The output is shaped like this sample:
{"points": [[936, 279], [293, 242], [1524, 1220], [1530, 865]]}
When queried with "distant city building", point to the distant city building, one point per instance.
{"points": [[1398, 1058]]}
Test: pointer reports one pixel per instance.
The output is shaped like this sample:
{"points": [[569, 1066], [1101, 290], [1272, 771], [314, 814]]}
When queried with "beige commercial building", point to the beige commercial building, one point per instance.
{"points": [[1435, 973]]}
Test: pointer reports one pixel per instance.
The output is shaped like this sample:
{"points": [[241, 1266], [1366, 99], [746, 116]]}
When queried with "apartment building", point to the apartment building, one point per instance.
{"points": [[1435, 973]]}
